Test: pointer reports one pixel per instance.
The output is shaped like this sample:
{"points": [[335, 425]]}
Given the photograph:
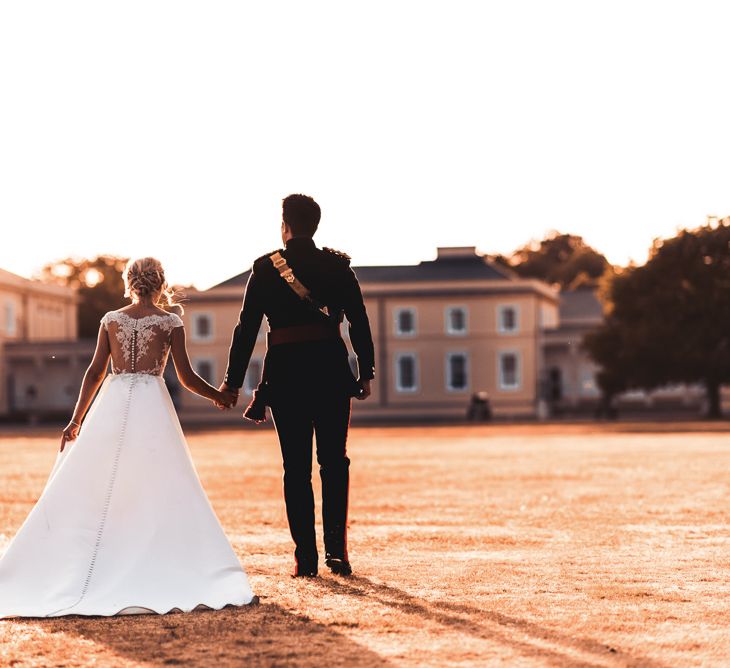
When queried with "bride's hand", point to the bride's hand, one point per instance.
{"points": [[70, 433], [222, 401], [230, 395]]}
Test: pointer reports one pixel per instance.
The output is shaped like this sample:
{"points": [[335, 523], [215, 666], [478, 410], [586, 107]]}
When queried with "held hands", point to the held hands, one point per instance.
{"points": [[228, 397], [70, 432]]}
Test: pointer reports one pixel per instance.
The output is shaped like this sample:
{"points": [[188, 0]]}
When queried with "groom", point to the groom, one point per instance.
{"points": [[304, 292]]}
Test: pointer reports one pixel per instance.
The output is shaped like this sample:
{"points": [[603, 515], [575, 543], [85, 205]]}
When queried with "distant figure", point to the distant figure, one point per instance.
{"points": [[123, 525], [307, 380], [31, 394], [479, 408], [606, 407]]}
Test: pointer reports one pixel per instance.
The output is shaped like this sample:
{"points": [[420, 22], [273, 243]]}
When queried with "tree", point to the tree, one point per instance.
{"points": [[668, 321], [565, 259], [99, 283]]}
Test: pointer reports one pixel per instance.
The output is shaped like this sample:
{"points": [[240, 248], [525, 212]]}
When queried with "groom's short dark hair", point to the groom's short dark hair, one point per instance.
{"points": [[301, 213]]}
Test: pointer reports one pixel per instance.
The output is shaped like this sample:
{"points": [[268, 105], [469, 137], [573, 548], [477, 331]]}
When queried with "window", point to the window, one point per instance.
{"points": [[456, 320], [10, 327], [588, 387], [509, 371], [508, 319], [205, 369], [253, 376], [457, 372], [405, 321], [555, 384], [202, 327], [406, 372]]}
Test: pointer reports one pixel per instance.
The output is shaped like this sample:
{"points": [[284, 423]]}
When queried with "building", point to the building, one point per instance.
{"points": [[570, 381], [570, 374], [41, 359], [443, 329]]}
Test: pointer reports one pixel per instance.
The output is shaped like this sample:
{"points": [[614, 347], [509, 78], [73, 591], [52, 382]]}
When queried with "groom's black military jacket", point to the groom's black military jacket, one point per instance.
{"points": [[307, 366]]}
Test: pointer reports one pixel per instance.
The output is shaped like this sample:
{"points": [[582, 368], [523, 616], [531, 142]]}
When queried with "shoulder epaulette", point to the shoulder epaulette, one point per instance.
{"points": [[266, 256], [339, 254]]}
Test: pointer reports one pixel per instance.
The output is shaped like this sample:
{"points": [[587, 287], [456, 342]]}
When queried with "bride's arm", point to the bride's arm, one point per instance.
{"points": [[92, 379], [185, 372]]}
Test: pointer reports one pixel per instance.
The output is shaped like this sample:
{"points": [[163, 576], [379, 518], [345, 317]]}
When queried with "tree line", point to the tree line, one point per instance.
{"points": [[665, 322]]}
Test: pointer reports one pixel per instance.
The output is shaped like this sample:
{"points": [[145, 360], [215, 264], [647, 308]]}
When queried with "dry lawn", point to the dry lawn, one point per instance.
{"points": [[495, 545]]}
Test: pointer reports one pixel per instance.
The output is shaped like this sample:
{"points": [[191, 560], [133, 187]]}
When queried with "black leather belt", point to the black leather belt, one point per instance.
{"points": [[301, 333]]}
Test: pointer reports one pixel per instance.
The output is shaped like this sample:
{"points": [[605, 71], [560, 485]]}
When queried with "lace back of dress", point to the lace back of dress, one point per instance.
{"points": [[139, 345]]}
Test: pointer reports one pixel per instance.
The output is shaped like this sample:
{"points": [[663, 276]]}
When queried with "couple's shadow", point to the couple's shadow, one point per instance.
{"points": [[268, 634], [528, 638], [257, 635]]}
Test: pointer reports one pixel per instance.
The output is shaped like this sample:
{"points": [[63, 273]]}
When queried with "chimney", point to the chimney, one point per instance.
{"points": [[456, 252]]}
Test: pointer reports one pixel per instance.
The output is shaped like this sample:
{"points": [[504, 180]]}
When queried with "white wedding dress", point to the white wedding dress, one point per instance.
{"points": [[123, 525]]}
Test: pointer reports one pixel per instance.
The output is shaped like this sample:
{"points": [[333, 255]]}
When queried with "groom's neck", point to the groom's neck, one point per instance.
{"points": [[299, 239]]}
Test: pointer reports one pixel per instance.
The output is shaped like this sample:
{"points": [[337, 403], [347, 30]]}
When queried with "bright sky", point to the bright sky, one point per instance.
{"points": [[175, 128]]}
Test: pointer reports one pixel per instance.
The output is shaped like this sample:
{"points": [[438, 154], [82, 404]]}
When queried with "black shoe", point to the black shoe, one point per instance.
{"points": [[338, 565], [305, 570]]}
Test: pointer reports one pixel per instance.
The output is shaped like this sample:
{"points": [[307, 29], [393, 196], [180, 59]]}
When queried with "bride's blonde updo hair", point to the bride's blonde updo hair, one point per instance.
{"points": [[146, 277]]}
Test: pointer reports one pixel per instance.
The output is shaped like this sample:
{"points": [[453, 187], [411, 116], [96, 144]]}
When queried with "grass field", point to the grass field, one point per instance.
{"points": [[496, 545]]}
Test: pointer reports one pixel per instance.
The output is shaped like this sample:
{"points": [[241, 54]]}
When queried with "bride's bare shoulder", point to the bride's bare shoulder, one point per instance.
{"points": [[134, 311], [124, 309]]}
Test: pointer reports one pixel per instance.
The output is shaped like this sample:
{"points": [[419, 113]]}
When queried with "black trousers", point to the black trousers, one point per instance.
{"points": [[329, 420]]}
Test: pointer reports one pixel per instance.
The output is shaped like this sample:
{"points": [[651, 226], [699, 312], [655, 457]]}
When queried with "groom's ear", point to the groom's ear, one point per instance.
{"points": [[286, 232]]}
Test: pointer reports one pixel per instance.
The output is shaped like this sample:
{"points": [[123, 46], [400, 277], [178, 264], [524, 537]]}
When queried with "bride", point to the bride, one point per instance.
{"points": [[123, 525]]}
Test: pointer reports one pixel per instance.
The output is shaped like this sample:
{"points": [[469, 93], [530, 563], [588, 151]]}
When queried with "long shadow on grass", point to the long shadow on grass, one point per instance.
{"points": [[527, 637], [262, 635]]}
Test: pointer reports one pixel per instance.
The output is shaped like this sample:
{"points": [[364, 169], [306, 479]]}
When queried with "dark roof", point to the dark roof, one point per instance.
{"points": [[580, 304], [474, 267], [234, 281], [456, 269]]}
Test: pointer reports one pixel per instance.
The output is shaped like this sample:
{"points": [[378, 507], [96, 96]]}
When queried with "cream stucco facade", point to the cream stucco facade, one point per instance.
{"points": [[468, 327], [37, 320]]}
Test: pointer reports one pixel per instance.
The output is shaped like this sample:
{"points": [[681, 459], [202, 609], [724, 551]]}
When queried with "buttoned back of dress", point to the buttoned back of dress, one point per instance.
{"points": [[139, 345]]}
